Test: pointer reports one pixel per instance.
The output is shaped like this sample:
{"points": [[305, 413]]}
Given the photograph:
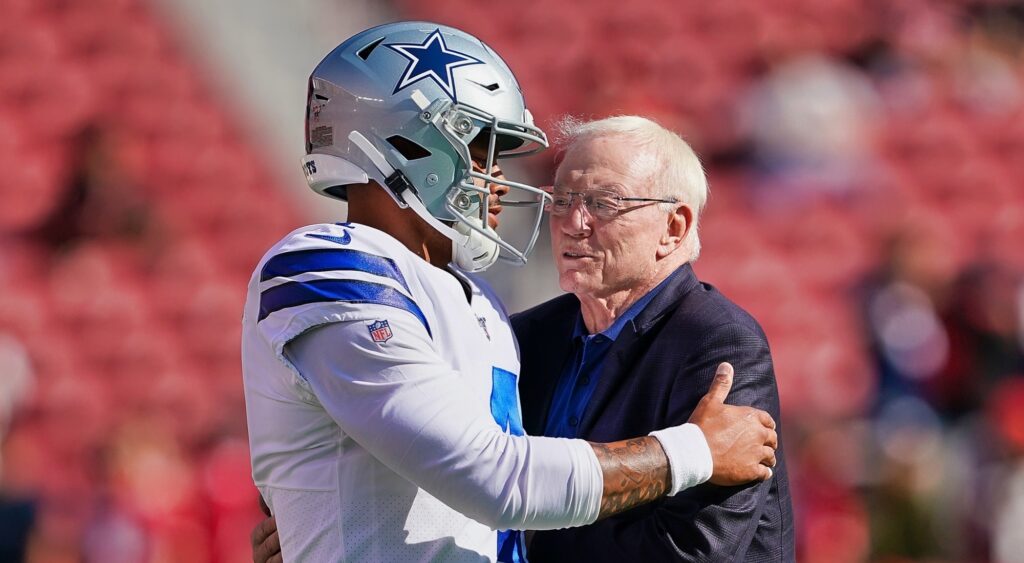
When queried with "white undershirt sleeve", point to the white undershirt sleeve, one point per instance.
{"points": [[410, 410]]}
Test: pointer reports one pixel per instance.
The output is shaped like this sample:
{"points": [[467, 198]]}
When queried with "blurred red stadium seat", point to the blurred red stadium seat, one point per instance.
{"points": [[825, 249]]}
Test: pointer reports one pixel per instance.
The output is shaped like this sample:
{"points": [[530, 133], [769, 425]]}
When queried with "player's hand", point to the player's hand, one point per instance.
{"points": [[266, 545], [742, 439]]}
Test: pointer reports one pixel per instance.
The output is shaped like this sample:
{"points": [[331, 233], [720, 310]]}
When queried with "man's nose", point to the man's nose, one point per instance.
{"points": [[499, 190], [577, 221]]}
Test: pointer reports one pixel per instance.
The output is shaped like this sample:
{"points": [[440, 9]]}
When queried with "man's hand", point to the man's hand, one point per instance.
{"points": [[742, 439], [266, 545]]}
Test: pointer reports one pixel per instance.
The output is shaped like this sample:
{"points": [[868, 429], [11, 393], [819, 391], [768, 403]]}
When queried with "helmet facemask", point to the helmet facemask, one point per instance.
{"points": [[466, 201]]}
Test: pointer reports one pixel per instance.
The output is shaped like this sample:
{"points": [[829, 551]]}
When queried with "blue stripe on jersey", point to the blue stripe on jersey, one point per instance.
{"points": [[298, 262], [505, 402], [293, 294], [505, 410]]}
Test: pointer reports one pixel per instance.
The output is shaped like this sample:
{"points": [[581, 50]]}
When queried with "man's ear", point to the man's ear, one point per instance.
{"points": [[677, 226]]}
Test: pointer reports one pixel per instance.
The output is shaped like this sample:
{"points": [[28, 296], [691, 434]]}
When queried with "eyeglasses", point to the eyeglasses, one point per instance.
{"points": [[602, 204]]}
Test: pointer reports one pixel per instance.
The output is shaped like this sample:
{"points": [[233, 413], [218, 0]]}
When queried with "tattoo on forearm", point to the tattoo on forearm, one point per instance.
{"points": [[635, 472]]}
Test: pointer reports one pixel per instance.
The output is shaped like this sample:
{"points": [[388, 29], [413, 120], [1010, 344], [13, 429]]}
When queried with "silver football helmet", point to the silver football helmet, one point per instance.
{"points": [[401, 104]]}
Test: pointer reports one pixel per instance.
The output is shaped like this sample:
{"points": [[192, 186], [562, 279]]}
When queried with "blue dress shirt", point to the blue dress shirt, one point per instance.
{"points": [[579, 379]]}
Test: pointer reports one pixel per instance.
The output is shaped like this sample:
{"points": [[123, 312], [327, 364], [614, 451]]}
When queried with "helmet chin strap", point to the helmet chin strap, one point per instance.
{"points": [[480, 252], [471, 250]]}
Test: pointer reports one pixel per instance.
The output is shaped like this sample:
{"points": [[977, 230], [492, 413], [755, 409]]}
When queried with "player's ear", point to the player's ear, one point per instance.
{"points": [[677, 226]]}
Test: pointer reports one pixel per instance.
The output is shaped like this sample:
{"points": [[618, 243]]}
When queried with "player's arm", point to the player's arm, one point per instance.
{"points": [[406, 406], [633, 471], [741, 442]]}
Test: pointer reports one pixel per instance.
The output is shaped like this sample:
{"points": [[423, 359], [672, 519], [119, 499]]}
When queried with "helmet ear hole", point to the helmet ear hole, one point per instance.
{"points": [[408, 149], [340, 192]]}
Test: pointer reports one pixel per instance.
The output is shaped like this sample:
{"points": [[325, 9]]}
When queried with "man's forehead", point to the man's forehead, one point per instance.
{"points": [[606, 161]]}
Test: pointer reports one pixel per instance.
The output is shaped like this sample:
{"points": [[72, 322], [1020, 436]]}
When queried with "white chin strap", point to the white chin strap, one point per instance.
{"points": [[480, 252], [471, 250]]}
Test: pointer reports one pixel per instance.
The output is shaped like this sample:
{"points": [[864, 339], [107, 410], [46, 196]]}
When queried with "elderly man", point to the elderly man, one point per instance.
{"points": [[636, 342]]}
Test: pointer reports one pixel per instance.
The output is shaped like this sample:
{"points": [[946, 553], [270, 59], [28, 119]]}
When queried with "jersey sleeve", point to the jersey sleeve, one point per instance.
{"points": [[316, 280], [404, 404]]}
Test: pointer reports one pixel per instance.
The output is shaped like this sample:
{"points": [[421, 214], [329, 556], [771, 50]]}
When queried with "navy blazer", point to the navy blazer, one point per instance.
{"points": [[654, 375]]}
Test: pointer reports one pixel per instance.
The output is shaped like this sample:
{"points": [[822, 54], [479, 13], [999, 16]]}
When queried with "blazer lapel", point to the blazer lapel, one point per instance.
{"points": [[549, 343], [625, 352]]}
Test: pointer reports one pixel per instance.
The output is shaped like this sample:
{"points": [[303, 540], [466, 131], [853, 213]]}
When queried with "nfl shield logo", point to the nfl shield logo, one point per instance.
{"points": [[380, 331]]}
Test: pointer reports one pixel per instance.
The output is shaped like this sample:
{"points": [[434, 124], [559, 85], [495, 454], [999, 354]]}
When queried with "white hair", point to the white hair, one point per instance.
{"points": [[680, 175]]}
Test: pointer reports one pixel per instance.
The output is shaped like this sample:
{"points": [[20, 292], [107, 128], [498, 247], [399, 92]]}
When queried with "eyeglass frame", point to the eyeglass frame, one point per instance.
{"points": [[583, 196]]}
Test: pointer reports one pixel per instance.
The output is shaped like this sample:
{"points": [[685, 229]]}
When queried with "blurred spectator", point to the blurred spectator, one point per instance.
{"points": [[1006, 418], [908, 476], [983, 324], [986, 78], [1006, 414], [945, 336], [17, 513], [901, 304], [1007, 537], [98, 201], [834, 523], [810, 122]]}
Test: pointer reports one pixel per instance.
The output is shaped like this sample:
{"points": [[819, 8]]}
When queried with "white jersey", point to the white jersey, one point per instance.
{"points": [[383, 411]]}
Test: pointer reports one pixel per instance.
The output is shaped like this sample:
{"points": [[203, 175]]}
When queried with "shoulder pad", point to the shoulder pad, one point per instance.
{"points": [[331, 273]]}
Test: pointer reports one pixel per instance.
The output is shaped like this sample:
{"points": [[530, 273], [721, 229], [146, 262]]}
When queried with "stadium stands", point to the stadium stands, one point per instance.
{"points": [[133, 213]]}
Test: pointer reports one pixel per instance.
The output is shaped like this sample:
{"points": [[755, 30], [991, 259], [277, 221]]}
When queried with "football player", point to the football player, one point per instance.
{"points": [[380, 374]]}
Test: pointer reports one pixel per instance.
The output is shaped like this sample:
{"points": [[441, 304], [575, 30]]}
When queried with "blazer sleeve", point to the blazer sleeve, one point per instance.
{"points": [[704, 523], [708, 522]]}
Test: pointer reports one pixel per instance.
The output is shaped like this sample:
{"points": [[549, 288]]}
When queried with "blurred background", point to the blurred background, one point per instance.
{"points": [[866, 161]]}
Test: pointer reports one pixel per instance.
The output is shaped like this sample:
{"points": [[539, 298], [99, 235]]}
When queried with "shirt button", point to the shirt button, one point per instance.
{"points": [[573, 421]]}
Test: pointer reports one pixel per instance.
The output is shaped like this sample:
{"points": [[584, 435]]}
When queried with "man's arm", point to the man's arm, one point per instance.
{"points": [[638, 471], [741, 522], [705, 523]]}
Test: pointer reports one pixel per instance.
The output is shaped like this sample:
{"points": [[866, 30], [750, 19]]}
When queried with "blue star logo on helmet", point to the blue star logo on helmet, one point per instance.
{"points": [[431, 59]]}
